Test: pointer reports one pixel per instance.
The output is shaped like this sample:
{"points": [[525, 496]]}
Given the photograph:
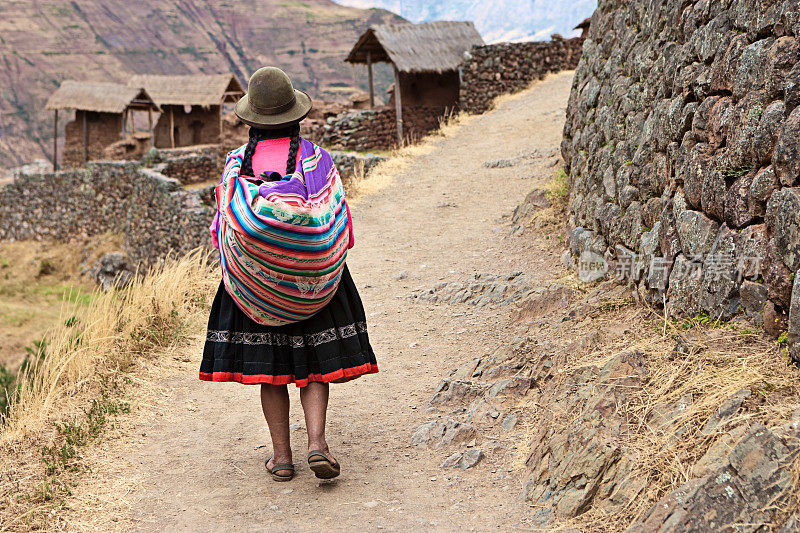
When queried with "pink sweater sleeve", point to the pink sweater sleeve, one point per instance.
{"points": [[350, 226]]}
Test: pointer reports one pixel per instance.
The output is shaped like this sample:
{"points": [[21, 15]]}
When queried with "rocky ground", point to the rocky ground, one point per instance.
{"points": [[511, 395]]}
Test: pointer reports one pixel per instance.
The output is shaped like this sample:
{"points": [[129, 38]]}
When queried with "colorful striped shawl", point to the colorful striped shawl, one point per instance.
{"points": [[282, 245]]}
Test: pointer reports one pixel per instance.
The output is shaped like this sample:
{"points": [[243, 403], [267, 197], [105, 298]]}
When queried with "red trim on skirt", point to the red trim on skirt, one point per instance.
{"points": [[250, 379]]}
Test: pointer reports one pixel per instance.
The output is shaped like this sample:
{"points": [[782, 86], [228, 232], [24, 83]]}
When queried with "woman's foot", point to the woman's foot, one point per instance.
{"points": [[322, 463], [281, 467]]}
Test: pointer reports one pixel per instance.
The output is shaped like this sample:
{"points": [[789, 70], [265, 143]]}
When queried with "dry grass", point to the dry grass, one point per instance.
{"points": [[39, 281], [397, 160], [68, 395], [384, 172], [714, 362]]}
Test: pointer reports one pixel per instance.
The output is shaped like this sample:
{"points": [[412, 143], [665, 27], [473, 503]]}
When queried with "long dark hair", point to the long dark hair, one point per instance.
{"points": [[256, 135]]}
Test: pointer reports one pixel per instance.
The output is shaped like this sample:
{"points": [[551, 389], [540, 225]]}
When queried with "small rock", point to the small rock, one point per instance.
{"points": [[464, 460], [498, 163], [112, 270], [509, 422]]}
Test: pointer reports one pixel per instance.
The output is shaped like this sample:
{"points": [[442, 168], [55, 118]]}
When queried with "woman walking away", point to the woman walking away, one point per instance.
{"points": [[287, 310]]}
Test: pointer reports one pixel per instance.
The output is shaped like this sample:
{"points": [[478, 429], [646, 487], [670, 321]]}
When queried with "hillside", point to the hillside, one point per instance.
{"points": [[45, 42], [531, 20]]}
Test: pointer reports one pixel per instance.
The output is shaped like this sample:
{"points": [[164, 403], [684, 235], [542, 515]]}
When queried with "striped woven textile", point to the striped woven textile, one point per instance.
{"points": [[282, 244]]}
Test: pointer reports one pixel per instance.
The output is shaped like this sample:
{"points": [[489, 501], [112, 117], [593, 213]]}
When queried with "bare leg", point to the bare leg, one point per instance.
{"points": [[314, 398], [275, 404]]}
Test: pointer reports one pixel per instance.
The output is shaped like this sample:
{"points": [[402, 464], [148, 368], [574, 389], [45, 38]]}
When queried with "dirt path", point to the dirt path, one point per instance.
{"points": [[191, 456]]}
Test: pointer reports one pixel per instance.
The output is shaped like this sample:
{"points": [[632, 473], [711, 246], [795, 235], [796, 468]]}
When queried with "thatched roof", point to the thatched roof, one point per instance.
{"points": [[584, 25], [196, 89], [103, 97], [431, 47]]}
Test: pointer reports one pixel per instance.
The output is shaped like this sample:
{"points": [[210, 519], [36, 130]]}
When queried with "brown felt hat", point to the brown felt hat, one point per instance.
{"points": [[271, 102]]}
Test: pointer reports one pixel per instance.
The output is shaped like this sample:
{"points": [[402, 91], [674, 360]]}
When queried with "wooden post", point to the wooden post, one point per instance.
{"points": [[219, 137], [371, 87], [398, 106], [55, 141], [150, 126], [133, 126], [85, 139], [171, 128]]}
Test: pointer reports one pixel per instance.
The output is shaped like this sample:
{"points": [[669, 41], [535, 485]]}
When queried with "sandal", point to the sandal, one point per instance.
{"points": [[322, 467], [280, 468]]}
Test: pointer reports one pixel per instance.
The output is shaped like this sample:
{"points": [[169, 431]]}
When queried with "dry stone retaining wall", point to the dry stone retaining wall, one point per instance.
{"points": [[681, 142], [376, 129], [154, 213], [496, 69]]}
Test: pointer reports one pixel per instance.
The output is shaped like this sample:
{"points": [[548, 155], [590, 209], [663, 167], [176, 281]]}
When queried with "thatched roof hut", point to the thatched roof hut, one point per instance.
{"points": [[101, 97], [196, 89], [102, 110], [425, 59], [431, 47], [192, 106], [584, 27]]}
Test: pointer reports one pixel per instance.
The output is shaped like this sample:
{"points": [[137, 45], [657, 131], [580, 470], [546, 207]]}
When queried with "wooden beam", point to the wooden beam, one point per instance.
{"points": [[219, 135], [371, 86], [85, 140], [150, 126], [171, 128], [398, 106], [55, 141]]}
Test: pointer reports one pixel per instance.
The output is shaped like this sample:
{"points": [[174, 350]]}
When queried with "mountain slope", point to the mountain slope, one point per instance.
{"points": [[43, 42], [500, 20]]}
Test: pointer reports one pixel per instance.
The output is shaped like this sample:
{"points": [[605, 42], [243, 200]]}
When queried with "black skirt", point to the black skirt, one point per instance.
{"points": [[331, 345]]}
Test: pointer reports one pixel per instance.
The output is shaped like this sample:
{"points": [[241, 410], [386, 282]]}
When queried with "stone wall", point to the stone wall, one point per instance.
{"points": [[354, 166], [153, 212], [66, 204], [162, 218], [191, 165], [497, 69], [374, 129], [681, 142]]}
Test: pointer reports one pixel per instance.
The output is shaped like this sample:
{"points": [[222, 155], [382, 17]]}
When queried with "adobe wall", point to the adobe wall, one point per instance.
{"points": [[496, 69], [200, 126], [681, 142], [102, 130], [429, 89]]}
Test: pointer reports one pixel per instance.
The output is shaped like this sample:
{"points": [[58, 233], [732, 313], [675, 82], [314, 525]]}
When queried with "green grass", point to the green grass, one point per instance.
{"points": [[700, 319], [558, 188], [7, 388], [733, 173], [63, 455]]}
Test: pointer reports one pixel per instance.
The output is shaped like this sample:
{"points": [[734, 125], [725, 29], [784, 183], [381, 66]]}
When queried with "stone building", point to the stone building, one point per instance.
{"points": [[425, 58], [103, 116], [191, 106]]}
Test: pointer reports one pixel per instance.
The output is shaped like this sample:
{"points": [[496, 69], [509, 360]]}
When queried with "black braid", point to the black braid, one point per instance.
{"points": [[294, 145], [247, 161]]}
